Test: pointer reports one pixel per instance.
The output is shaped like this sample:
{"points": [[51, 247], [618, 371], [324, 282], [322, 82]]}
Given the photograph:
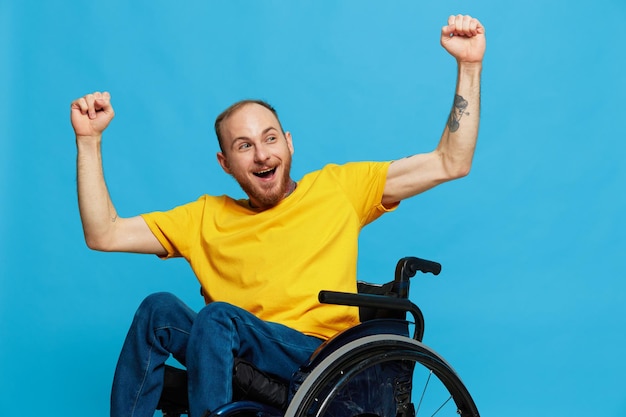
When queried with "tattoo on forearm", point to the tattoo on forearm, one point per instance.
{"points": [[458, 110]]}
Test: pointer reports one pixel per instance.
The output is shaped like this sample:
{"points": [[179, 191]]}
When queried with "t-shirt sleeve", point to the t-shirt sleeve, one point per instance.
{"points": [[364, 185], [177, 228]]}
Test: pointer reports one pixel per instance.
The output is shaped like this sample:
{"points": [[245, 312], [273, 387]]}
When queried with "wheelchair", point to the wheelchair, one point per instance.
{"points": [[374, 369]]}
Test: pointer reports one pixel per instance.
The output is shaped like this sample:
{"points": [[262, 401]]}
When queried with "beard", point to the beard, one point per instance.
{"points": [[266, 195]]}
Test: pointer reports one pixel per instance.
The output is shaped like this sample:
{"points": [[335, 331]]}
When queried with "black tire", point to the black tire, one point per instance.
{"points": [[324, 391]]}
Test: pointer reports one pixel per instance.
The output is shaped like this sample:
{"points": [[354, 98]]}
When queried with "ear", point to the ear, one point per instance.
{"points": [[289, 142], [221, 158]]}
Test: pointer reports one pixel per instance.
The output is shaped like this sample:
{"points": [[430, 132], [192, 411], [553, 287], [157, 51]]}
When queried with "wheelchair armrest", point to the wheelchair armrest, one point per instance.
{"points": [[376, 301]]}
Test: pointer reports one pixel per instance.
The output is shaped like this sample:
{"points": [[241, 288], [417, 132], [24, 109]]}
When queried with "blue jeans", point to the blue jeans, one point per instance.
{"points": [[206, 343]]}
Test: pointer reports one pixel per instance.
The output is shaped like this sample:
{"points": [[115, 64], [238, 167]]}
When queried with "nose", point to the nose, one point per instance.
{"points": [[261, 154]]}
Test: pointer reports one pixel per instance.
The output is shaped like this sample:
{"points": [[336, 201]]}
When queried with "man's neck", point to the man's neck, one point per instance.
{"points": [[290, 189]]}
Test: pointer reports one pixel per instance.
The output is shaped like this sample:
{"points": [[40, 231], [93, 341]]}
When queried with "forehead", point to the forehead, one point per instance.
{"points": [[250, 120]]}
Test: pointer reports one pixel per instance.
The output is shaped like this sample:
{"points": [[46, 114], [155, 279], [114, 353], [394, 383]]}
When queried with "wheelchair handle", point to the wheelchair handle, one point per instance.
{"points": [[376, 301], [407, 267]]}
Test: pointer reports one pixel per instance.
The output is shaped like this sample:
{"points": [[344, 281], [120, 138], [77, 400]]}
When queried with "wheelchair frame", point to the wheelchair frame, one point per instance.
{"points": [[340, 372]]}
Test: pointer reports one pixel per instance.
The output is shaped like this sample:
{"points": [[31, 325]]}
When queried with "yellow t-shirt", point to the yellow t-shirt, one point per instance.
{"points": [[273, 263]]}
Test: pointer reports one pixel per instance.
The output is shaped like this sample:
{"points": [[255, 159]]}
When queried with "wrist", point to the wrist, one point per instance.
{"points": [[470, 67], [88, 140]]}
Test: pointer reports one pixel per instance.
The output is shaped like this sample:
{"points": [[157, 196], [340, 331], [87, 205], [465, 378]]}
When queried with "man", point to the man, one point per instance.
{"points": [[261, 261]]}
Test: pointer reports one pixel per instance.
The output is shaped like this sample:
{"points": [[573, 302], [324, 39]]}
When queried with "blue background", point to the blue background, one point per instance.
{"points": [[530, 306]]}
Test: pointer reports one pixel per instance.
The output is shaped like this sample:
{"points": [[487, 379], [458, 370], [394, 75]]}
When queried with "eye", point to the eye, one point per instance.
{"points": [[243, 146]]}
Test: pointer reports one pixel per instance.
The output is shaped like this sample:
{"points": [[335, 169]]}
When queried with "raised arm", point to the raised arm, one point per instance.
{"points": [[103, 228], [464, 38]]}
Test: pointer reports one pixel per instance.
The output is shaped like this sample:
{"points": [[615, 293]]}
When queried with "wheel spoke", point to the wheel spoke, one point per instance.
{"points": [[442, 405], [417, 410]]}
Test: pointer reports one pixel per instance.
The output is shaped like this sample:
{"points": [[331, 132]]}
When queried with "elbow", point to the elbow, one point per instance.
{"points": [[93, 244], [461, 171], [97, 244], [456, 171], [455, 166], [101, 238]]}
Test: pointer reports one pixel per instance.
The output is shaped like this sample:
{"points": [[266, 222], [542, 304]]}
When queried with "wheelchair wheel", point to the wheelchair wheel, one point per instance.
{"points": [[383, 375]]}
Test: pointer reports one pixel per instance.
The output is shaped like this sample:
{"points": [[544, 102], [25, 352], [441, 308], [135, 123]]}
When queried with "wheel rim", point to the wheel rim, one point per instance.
{"points": [[436, 389]]}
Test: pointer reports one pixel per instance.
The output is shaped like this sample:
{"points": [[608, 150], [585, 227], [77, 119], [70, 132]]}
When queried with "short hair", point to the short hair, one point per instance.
{"points": [[233, 108]]}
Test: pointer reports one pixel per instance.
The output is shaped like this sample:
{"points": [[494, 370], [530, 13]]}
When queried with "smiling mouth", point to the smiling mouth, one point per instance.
{"points": [[265, 174]]}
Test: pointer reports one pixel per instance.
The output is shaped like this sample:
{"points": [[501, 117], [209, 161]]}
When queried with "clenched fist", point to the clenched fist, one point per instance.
{"points": [[464, 38], [91, 114]]}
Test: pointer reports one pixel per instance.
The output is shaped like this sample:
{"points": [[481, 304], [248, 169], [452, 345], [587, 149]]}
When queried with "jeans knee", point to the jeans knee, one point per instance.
{"points": [[157, 301], [163, 309], [217, 311]]}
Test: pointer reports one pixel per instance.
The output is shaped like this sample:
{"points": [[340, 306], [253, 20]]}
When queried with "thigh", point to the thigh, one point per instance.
{"points": [[271, 347]]}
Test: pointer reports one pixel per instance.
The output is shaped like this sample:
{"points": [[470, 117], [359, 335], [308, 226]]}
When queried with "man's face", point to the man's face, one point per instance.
{"points": [[257, 154]]}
